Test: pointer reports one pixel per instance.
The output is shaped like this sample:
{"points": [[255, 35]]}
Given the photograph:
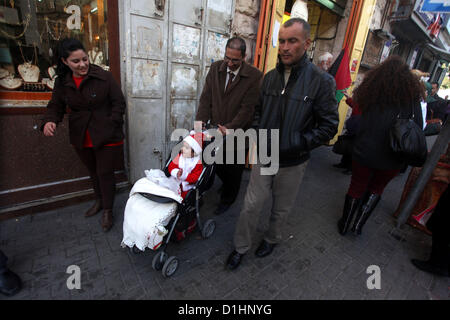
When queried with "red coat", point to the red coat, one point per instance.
{"points": [[355, 107], [191, 177]]}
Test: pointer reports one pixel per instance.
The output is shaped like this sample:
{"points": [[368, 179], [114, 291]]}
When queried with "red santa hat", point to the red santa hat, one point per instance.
{"points": [[195, 141]]}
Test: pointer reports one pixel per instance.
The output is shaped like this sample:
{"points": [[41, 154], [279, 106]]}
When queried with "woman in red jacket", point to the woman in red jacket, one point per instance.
{"points": [[96, 106]]}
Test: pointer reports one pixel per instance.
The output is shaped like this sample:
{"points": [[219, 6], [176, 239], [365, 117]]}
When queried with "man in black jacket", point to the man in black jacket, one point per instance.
{"points": [[297, 101]]}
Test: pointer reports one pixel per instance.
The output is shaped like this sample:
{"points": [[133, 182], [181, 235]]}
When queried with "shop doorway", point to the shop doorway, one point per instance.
{"points": [[168, 47], [323, 21]]}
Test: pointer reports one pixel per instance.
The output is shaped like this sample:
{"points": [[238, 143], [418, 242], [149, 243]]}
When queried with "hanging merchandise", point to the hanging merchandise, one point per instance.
{"points": [[300, 10], [29, 72], [95, 56], [55, 32]]}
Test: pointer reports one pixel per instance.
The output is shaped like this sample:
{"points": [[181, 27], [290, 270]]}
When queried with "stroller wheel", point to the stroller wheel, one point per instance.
{"points": [[170, 266], [135, 250], [157, 262], [208, 228]]}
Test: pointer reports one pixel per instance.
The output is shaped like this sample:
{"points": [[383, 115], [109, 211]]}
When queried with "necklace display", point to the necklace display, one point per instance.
{"points": [[3, 73], [25, 24], [50, 83], [10, 83], [30, 72], [58, 29]]}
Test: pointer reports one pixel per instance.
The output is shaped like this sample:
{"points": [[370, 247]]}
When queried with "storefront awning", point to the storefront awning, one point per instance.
{"points": [[332, 5], [441, 52]]}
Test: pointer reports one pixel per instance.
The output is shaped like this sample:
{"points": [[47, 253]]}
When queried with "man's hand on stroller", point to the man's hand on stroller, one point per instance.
{"points": [[222, 130]]}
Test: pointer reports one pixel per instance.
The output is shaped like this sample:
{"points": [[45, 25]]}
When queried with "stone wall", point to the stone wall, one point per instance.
{"points": [[245, 24]]}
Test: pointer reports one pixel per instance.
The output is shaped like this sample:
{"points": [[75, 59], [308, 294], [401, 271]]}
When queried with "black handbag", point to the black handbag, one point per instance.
{"points": [[344, 144], [407, 141]]}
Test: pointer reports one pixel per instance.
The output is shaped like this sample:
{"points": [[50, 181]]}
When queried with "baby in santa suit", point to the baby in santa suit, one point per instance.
{"points": [[187, 165]]}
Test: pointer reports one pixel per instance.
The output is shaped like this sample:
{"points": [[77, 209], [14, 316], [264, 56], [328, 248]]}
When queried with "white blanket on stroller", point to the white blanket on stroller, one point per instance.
{"points": [[145, 220]]}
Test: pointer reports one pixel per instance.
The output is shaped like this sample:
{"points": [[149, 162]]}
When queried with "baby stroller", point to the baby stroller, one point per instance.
{"points": [[178, 213]]}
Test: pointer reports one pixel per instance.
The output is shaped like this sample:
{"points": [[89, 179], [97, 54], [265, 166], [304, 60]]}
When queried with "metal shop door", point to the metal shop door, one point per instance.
{"points": [[166, 55]]}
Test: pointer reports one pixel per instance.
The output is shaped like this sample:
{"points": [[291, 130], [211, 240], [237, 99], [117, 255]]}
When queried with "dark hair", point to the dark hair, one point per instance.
{"points": [[389, 84], [65, 48], [238, 44], [436, 83], [306, 27]]}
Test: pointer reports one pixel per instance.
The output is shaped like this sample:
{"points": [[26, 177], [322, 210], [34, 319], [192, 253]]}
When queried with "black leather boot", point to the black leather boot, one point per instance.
{"points": [[431, 267], [351, 205], [96, 207], [368, 205], [107, 220]]}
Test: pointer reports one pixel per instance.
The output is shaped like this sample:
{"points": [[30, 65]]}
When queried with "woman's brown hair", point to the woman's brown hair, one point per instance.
{"points": [[389, 84]]}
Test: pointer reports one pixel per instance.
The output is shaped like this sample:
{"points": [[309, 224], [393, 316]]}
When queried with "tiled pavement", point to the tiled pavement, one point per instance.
{"points": [[313, 262]]}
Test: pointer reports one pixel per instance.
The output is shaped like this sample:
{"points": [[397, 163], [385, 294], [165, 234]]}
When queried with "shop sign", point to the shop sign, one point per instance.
{"points": [[436, 6], [354, 65], [74, 21]]}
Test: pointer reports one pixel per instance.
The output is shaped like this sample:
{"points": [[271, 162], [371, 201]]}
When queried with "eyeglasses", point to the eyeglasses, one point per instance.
{"points": [[234, 61]]}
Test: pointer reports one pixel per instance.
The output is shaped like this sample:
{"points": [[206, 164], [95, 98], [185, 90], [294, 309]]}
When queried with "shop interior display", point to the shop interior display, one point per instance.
{"points": [[32, 31], [50, 82], [29, 72], [10, 83], [3, 73]]}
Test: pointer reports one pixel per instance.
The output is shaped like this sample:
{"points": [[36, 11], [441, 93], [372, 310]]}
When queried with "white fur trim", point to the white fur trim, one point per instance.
{"points": [[174, 172], [194, 144]]}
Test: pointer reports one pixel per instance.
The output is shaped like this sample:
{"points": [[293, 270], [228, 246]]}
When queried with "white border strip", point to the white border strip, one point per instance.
{"points": [[48, 184]]}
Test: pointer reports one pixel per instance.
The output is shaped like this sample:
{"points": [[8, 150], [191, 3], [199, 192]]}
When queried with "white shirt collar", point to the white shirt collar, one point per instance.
{"points": [[235, 71]]}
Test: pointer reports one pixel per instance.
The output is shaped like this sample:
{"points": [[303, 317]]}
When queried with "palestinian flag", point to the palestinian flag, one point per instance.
{"points": [[341, 72]]}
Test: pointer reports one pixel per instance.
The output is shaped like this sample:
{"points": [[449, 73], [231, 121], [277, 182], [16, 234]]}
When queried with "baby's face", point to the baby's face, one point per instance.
{"points": [[187, 150]]}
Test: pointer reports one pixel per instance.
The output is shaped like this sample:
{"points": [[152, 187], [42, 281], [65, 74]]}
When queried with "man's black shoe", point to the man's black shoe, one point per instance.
{"points": [[222, 208], [10, 283], [427, 266], [340, 165], [347, 171], [234, 259], [265, 249]]}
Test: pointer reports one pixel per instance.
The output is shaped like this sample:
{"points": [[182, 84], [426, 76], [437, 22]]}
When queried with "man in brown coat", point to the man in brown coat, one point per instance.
{"points": [[228, 100]]}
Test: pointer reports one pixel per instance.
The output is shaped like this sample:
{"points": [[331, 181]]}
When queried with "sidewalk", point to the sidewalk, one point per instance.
{"points": [[314, 262]]}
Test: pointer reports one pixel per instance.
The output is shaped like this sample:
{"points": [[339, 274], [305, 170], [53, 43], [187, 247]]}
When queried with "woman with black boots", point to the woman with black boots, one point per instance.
{"points": [[388, 90]]}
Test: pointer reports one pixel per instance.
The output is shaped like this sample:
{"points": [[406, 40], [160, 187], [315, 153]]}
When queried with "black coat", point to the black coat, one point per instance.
{"points": [[371, 147], [98, 105], [304, 110]]}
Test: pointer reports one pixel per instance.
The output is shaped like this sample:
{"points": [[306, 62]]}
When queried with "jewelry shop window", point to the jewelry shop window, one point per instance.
{"points": [[29, 34]]}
